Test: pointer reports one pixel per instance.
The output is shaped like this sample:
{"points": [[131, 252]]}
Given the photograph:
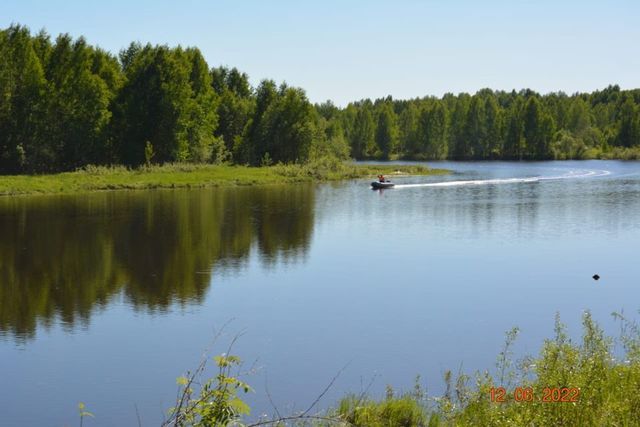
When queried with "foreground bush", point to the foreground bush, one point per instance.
{"points": [[606, 388]]}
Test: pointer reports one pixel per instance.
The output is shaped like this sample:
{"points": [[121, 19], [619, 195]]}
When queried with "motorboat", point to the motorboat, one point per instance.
{"points": [[382, 184]]}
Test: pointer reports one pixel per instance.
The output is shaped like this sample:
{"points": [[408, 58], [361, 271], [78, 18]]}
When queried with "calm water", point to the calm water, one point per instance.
{"points": [[107, 298]]}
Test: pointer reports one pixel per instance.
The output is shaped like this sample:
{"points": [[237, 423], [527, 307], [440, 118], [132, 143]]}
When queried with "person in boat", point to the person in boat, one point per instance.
{"points": [[381, 178]]}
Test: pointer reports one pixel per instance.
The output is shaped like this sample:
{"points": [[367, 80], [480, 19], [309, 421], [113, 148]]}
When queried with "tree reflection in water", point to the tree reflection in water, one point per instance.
{"points": [[63, 257]]}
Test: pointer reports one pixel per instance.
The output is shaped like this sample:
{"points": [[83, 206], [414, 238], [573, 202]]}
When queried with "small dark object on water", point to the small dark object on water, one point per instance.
{"points": [[382, 182], [380, 185], [596, 277]]}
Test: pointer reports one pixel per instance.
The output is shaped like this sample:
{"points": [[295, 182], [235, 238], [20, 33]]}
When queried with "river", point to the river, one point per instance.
{"points": [[107, 298]]}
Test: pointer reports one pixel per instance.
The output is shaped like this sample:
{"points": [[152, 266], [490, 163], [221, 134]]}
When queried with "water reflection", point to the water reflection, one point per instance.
{"points": [[63, 257]]}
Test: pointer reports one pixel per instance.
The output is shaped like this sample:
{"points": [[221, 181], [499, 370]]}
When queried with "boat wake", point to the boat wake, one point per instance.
{"points": [[573, 174]]}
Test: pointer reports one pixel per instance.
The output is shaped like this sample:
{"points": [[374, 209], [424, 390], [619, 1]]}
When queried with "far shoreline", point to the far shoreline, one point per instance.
{"points": [[102, 178]]}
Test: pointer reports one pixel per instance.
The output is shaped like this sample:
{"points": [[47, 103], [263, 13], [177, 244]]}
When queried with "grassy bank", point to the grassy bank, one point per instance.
{"points": [[586, 383], [596, 153], [592, 382], [188, 175]]}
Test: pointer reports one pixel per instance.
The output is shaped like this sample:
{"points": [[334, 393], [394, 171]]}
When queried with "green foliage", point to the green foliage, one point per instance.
{"points": [[607, 387], [493, 129], [403, 411], [82, 412], [148, 153], [458, 145], [168, 99], [387, 132], [498, 125], [266, 160], [629, 124], [330, 168], [513, 141], [474, 131], [23, 106], [578, 119], [537, 130], [289, 126], [235, 107], [504, 362], [567, 146], [216, 403], [430, 141], [606, 383], [408, 125], [363, 134], [66, 104], [79, 98], [624, 153]]}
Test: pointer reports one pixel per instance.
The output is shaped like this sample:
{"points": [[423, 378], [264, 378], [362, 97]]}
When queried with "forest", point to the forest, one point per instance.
{"points": [[65, 104]]}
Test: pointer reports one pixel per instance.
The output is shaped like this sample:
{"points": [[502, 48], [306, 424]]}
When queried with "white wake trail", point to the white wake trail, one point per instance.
{"points": [[573, 174]]}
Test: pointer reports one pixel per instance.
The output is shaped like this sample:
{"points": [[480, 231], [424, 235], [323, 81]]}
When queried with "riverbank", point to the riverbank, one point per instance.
{"points": [[99, 178], [583, 383], [592, 382]]}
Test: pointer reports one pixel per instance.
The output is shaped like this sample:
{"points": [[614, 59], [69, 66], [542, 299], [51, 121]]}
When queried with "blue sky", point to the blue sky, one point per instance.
{"points": [[348, 50]]}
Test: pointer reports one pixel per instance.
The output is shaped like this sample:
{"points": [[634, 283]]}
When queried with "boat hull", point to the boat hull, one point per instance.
{"points": [[378, 184]]}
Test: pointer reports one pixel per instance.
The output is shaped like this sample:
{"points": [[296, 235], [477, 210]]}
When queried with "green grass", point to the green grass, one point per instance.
{"points": [[98, 178], [608, 384], [406, 410]]}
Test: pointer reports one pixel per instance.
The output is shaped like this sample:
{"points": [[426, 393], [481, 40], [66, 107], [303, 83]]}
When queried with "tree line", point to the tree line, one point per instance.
{"points": [[495, 125], [65, 104]]}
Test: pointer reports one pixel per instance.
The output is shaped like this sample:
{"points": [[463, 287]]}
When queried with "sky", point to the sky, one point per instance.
{"points": [[349, 50]]}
